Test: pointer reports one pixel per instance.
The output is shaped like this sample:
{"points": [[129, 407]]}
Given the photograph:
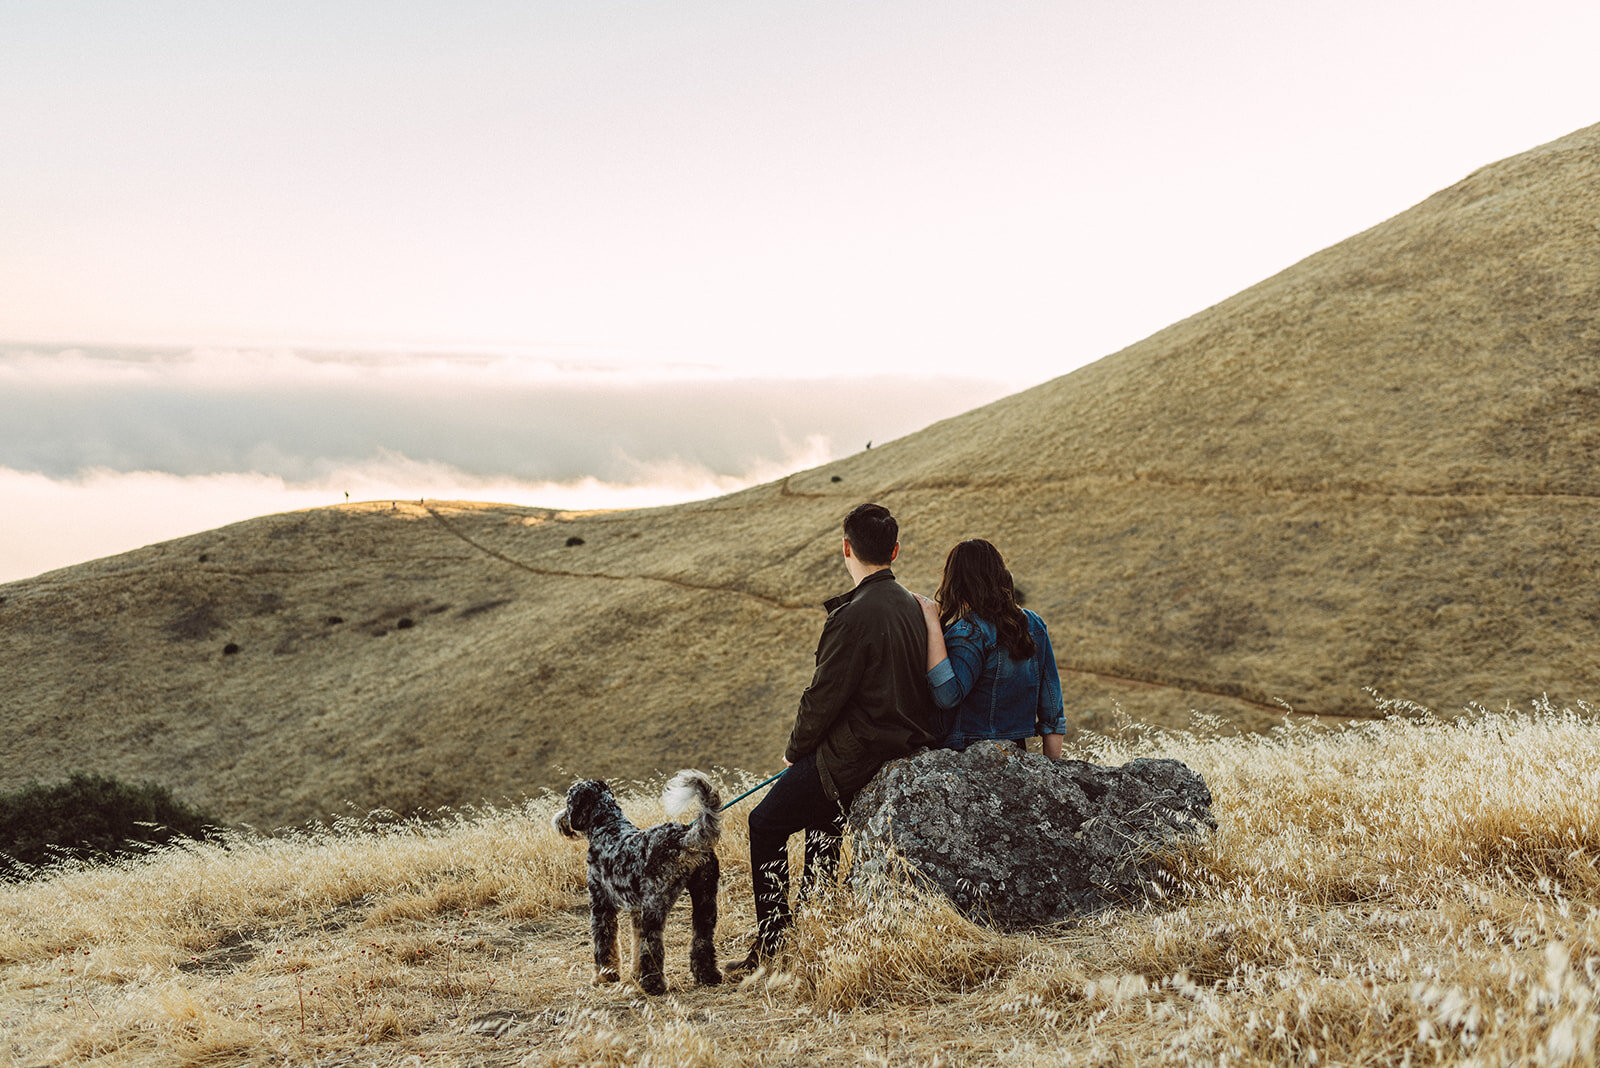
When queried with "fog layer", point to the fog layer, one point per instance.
{"points": [[301, 417], [105, 450]]}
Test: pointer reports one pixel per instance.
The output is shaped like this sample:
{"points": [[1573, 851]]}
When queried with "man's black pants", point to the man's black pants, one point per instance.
{"points": [[796, 802]]}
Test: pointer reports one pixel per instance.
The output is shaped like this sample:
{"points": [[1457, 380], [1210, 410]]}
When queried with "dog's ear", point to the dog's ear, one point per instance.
{"points": [[562, 820], [582, 797]]}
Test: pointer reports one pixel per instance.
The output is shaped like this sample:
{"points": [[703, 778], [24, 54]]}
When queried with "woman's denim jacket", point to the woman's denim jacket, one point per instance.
{"points": [[995, 696]]}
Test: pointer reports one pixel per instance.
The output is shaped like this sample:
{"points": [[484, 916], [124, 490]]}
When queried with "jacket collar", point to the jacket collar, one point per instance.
{"points": [[834, 603]]}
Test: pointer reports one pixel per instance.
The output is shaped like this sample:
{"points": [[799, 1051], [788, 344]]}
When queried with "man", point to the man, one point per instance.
{"points": [[868, 703]]}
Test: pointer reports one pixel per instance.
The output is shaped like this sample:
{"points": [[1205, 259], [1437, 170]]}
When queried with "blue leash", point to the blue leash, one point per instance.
{"points": [[750, 791]]}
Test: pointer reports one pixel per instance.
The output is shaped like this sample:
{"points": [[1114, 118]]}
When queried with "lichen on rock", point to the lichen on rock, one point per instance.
{"points": [[1015, 839]]}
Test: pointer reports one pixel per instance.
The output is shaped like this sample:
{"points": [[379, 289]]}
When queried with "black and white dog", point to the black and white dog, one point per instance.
{"points": [[645, 871]]}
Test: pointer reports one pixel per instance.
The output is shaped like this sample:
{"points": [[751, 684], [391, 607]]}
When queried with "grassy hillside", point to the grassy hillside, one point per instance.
{"points": [[1404, 891], [1377, 469]]}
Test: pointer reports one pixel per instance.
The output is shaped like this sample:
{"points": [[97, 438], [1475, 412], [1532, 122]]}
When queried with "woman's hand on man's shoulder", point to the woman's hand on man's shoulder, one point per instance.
{"points": [[962, 628]]}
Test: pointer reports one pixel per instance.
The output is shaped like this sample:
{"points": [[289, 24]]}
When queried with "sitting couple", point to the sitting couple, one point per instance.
{"points": [[891, 668]]}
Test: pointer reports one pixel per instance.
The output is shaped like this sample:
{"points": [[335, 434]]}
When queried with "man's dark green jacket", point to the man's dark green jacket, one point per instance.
{"points": [[869, 700]]}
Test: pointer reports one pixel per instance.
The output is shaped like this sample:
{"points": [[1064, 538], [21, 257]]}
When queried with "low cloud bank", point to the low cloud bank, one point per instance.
{"points": [[302, 417], [105, 450], [50, 523]]}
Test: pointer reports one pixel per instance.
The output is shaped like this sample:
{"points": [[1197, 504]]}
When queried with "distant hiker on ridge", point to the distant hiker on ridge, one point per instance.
{"points": [[868, 703]]}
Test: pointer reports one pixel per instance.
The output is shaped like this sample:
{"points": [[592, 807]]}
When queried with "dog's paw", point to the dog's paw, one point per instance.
{"points": [[606, 975], [653, 984], [711, 978]]}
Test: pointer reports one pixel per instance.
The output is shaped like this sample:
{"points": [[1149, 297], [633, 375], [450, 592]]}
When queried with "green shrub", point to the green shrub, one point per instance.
{"points": [[88, 818]]}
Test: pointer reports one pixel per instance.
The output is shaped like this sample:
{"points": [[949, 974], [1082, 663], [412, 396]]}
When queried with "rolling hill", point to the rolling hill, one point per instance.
{"points": [[1377, 469]]}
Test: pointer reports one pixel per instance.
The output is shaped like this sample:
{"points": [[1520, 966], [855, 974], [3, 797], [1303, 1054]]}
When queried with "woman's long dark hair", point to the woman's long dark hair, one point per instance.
{"points": [[977, 583]]}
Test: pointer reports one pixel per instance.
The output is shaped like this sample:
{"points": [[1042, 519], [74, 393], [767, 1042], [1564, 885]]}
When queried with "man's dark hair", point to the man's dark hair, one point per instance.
{"points": [[872, 533]]}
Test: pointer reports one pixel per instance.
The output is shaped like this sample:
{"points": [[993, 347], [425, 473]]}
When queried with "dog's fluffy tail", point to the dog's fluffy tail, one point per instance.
{"points": [[691, 789]]}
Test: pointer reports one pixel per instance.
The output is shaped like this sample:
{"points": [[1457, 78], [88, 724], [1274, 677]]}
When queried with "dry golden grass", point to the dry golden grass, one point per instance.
{"points": [[1403, 891]]}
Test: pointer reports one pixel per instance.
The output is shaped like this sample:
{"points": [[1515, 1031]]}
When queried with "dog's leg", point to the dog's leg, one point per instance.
{"points": [[702, 887], [603, 928], [650, 956]]}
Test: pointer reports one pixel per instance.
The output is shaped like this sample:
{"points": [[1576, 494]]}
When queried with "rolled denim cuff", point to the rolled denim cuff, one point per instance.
{"points": [[941, 673]]}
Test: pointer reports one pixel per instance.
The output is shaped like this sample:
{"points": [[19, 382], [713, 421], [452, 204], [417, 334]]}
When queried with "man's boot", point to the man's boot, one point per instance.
{"points": [[762, 950]]}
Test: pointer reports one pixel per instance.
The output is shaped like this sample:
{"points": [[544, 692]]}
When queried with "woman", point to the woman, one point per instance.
{"points": [[989, 659]]}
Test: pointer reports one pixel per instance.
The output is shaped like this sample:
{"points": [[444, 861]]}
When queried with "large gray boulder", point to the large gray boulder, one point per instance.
{"points": [[1015, 839]]}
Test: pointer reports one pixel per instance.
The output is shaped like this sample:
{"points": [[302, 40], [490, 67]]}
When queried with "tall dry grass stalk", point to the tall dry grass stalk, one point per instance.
{"points": [[1406, 891]]}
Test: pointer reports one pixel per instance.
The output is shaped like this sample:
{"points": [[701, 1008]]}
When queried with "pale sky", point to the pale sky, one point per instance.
{"points": [[918, 190], [907, 185]]}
